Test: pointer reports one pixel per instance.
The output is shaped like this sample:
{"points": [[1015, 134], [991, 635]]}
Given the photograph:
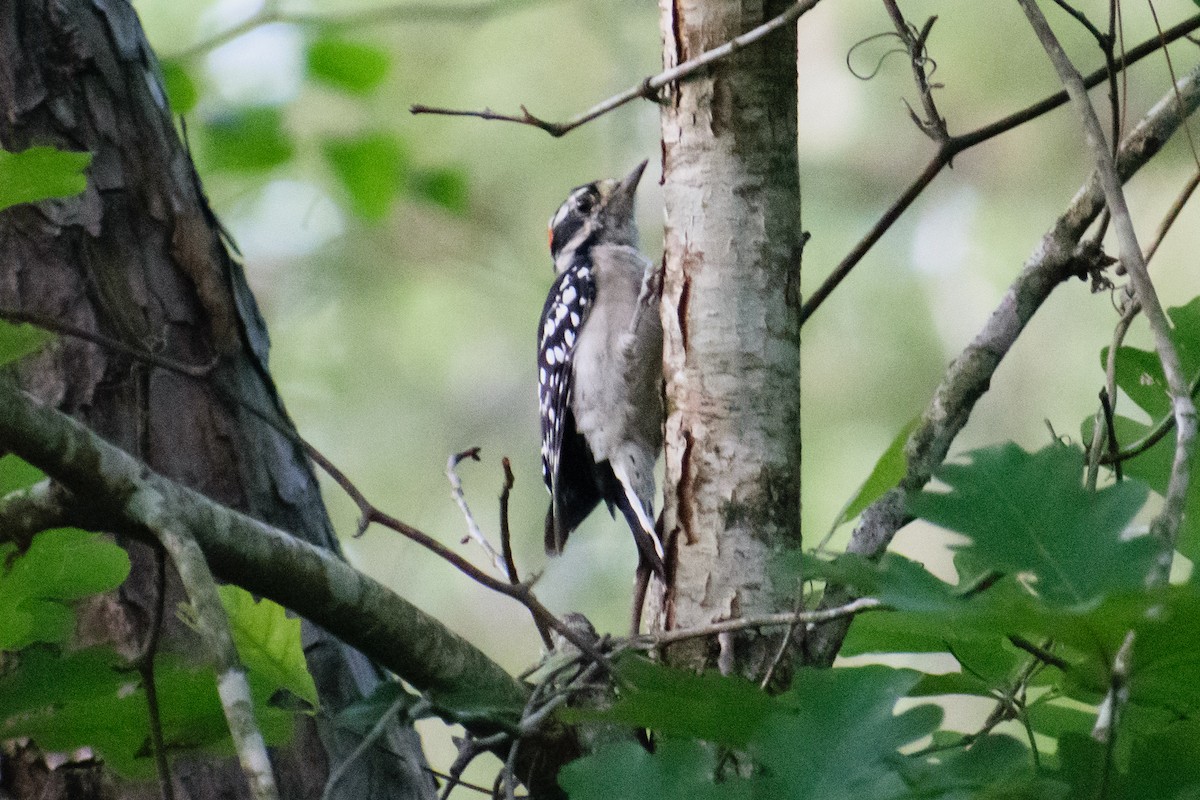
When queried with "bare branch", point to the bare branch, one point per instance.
{"points": [[647, 88], [934, 125], [24, 513], [951, 147], [853, 608], [107, 342], [473, 530], [1164, 527], [505, 533]]}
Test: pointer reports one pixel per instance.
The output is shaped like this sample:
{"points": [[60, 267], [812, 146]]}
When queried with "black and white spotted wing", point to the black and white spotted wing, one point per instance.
{"points": [[566, 310]]}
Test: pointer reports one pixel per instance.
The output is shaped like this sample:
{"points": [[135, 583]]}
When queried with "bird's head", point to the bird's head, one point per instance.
{"points": [[596, 213]]}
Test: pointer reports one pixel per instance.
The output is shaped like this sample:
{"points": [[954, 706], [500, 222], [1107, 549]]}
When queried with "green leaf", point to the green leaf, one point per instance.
{"points": [[1029, 513], [363, 715], [268, 642], [350, 66], [17, 474], [446, 187], [1154, 468], [1139, 374], [18, 341], [682, 703], [994, 767], [181, 89], [677, 770], [835, 735], [250, 140], [885, 475], [371, 168], [59, 566], [93, 698], [893, 579], [40, 173]]}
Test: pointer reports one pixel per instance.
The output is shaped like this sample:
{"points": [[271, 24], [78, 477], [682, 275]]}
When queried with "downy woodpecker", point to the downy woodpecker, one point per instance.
{"points": [[600, 370]]}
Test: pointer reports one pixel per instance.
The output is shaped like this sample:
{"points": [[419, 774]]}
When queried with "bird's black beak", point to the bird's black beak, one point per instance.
{"points": [[630, 183]]}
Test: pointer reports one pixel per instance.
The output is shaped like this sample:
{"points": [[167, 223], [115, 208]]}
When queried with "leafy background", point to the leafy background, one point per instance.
{"points": [[400, 261]]}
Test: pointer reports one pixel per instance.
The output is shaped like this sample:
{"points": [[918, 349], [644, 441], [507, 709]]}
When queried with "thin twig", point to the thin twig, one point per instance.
{"points": [[145, 667], [1108, 715], [368, 741], [1114, 447], [784, 643], [647, 88], [1039, 652], [1172, 214], [473, 530], [950, 148], [859, 606], [510, 563], [469, 748], [107, 342], [1166, 525], [1155, 434], [934, 124]]}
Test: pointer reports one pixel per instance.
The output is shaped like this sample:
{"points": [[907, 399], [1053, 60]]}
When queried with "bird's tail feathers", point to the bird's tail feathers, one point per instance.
{"points": [[640, 522]]}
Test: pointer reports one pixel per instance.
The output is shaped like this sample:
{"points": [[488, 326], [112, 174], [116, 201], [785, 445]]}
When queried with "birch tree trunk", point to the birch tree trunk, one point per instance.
{"points": [[139, 258], [731, 325]]}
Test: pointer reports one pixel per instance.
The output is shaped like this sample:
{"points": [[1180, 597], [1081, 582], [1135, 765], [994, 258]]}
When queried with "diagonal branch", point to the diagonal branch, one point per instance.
{"points": [[647, 88], [104, 481], [951, 147]]}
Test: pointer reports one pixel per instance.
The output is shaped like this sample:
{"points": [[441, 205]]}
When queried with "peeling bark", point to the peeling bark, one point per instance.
{"points": [[139, 257], [731, 324]]}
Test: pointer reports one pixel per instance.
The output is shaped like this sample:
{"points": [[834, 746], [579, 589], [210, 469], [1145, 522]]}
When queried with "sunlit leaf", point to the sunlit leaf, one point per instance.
{"points": [[40, 173], [94, 698], [18, 341], [59, 566], [268, 642], [994, 767], [354, 67], [893, 579], [17, 474], [1139, 374], [835, 735]]}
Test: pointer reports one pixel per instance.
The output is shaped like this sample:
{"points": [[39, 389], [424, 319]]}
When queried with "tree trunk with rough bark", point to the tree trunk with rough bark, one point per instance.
{"points": [[139, 258], [731, 326]]}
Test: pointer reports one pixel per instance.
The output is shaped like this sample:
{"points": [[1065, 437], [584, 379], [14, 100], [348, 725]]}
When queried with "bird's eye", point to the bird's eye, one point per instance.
{"points": [[585, 203]]}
